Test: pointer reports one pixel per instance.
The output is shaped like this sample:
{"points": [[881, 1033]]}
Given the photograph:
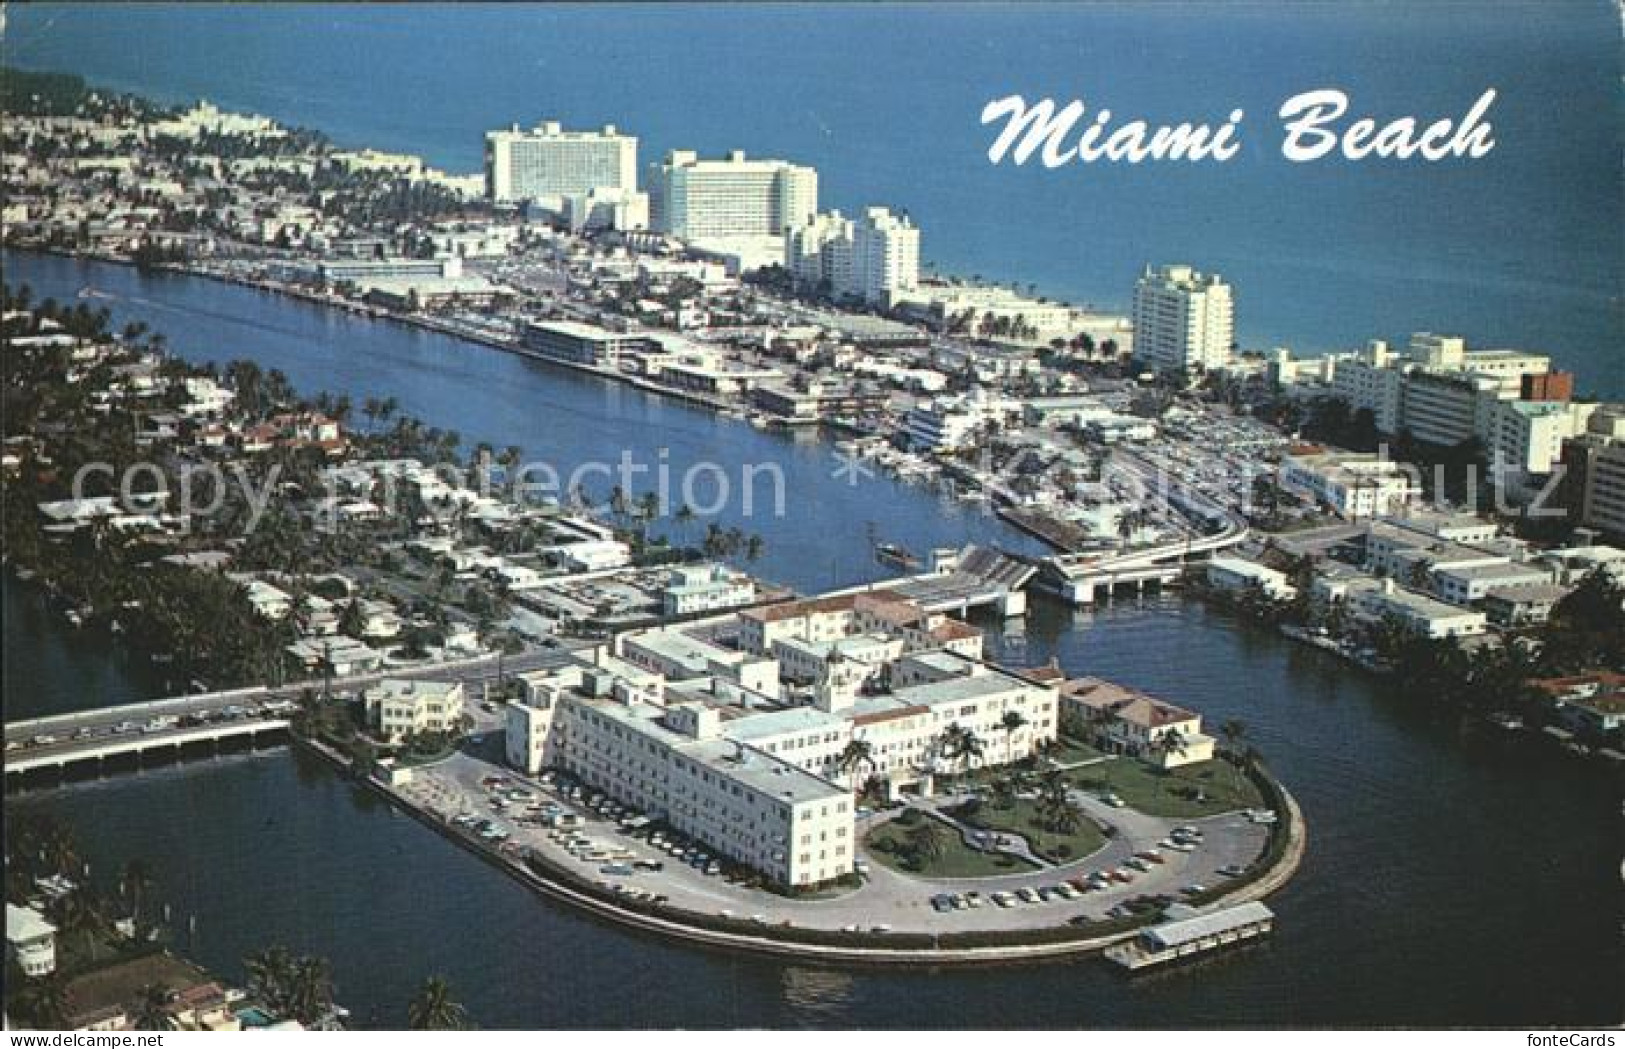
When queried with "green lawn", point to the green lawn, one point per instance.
{"points": [[1023, 818], [888, 844], [1203, 789], [1070, 751]]}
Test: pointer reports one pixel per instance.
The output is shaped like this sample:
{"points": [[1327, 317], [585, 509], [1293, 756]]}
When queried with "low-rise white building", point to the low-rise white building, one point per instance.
{"points": [[30, 941], [1416, 612], [1352, 485], [399, 708], [1132, 722], [1232, 574], [706, 588]]}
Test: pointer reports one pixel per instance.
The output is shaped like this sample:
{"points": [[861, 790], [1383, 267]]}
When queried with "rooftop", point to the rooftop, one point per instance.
{"points": [[1125, 703]]}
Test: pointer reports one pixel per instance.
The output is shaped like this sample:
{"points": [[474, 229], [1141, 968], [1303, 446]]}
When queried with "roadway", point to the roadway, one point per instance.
{"points": [[67, 737]]}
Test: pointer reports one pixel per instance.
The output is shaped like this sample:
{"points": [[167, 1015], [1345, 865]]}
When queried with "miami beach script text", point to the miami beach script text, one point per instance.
{"points": [[1314, 125]]}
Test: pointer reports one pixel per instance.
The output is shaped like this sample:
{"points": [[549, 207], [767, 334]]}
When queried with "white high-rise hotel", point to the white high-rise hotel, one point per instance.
{"points": [[874, 259], [548, 162], [1183, 319], [732, 202]]}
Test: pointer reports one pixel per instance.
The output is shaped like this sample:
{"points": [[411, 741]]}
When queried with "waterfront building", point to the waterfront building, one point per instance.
{"points": [[1594, 481], [1520, 606], [577, 343], [403, 165], [549, 163], [1234, 575], [981, 310], [704, 371], [207, 118], [399, 708], [818, 253], [1127, 721], [690, 728], [736, 206], [706, 588], [30, 941], [1471, 584], [1352, 485], [1443, 393], [367, 271], [874, 260], [1189, 932], [1384, 600], [1183, 319], [673, 762], [1591, 704], [946, 424]]}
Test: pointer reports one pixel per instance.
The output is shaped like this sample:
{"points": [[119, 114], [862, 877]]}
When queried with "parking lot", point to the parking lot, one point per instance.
{"points": [[626, 853]]}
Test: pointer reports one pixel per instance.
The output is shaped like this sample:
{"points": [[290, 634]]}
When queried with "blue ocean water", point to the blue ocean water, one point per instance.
{"points": [[1524, 247]]}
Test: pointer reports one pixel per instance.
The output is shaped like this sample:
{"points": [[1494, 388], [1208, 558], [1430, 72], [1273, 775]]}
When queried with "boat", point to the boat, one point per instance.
{"points": [[1189, 933], [892, 554]]}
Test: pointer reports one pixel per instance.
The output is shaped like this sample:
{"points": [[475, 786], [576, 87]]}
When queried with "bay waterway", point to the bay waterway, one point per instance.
{"points": [[1454, 876]]}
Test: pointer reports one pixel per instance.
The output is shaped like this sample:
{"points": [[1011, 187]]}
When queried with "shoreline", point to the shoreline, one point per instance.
{"points": [[1041, 946]]}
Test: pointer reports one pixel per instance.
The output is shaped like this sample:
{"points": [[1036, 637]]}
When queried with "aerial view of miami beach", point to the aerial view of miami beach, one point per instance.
{"points": [[862, 517]]}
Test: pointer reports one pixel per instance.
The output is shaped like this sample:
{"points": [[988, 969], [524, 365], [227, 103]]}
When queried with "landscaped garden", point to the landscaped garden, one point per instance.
{"points": [[1202, 789], [1057, 836], [919, 845]]}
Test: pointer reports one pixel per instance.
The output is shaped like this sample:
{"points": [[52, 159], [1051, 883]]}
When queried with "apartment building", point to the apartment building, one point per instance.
{"points": [[548, 162], [1353, 485], [1183, 319], [875, 259], [1383, 600], [1594, 482], [732, 204]]}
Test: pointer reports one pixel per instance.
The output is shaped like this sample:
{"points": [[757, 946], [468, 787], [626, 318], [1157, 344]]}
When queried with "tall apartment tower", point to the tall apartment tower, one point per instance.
{"points": [[730, 198], [1183, 319], [548, 162], [885, 256], [873, 259]]}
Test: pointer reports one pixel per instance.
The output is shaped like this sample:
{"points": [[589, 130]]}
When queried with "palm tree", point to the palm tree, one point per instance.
{"points": [[926, 841], [971, 749], [1004, 793], [1234, 731], [856, 756], [311, 992], [137, 882], [270, 978], [1012, 722], [1170, 744], [57, 849], [152, 1009], [433, 1009], [1056, 809]]}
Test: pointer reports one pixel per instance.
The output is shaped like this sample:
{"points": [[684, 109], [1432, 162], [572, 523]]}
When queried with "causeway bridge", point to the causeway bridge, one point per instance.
{"points": [[42, 751], [1080, 577]]}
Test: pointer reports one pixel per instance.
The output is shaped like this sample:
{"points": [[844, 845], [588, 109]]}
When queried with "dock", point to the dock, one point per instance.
{"points": [[1189, 933]]}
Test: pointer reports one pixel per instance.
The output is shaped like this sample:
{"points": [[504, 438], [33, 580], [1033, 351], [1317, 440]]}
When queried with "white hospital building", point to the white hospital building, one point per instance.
{"points": [[740, 744]]}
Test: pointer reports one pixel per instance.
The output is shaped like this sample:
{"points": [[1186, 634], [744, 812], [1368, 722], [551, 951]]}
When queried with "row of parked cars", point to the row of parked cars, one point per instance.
{"points": [[161, 723]]}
